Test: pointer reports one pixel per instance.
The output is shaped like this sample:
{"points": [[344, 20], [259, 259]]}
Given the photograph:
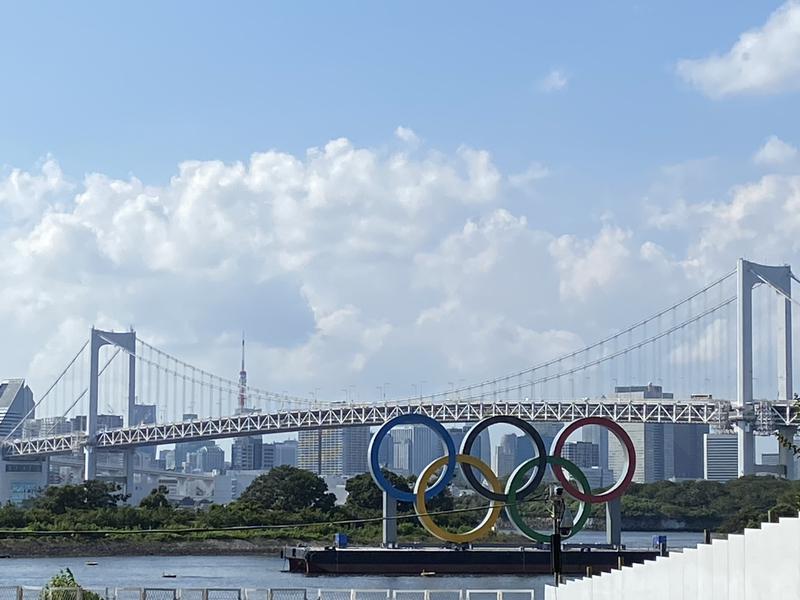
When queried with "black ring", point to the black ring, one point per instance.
{"points": [[472, 435]]}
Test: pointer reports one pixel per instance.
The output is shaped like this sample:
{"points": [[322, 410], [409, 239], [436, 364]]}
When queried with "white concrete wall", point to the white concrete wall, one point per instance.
{"points": [[761, 563]]}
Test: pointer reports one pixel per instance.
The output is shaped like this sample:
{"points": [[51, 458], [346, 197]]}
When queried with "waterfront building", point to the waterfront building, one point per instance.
{"points": [[594, 434], [688, 446], [505, 455], [229, 487], [144, 414], [286, 453], [211, 459], [654, 443], [339, 451], [16, 402], [167, 457], [386, 452], [721, 451], [414, 449], [247, 454], [583, 454], [20, 480], [275, 454], [46, 426]]}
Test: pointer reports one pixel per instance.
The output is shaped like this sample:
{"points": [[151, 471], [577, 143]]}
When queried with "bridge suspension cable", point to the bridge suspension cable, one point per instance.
{"points": [[47, 393], [637, 336]]}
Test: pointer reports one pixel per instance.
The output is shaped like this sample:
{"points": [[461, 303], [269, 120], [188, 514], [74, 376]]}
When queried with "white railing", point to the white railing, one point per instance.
{"points": [[144, 593], [459, 411]]}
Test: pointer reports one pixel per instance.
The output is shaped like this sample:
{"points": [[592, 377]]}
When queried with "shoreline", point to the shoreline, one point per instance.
{"points": [[73, 547], [43, 547]]}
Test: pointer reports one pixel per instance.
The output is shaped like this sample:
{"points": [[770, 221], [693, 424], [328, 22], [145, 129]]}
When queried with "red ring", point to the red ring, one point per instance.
{"points": [[621, 485]]}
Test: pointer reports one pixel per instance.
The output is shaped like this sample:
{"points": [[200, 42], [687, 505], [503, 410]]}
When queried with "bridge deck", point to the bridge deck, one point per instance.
{"points": [[766, 415]]}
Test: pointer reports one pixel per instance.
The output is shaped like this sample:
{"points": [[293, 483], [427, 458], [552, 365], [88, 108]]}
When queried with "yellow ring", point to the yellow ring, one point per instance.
{"points": [[495, 508]]}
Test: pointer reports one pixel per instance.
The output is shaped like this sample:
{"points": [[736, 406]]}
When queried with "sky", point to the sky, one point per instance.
{"points": [[389, 193]]}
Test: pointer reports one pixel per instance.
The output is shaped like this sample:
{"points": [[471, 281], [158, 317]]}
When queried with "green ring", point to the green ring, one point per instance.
{"points": [[515, 481]]}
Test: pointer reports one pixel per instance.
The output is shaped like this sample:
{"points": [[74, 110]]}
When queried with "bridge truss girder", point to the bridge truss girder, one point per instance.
{"points": [[720, 414]]}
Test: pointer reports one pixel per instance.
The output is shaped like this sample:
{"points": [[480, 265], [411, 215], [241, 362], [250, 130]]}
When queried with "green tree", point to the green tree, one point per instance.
{"points": [[84, 496], [65, 579], [157, 498], [363, 493], [12, 517], [288, 489]]}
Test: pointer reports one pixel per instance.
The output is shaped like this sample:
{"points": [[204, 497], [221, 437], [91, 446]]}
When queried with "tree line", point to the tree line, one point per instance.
{"points": [[298, 506]]}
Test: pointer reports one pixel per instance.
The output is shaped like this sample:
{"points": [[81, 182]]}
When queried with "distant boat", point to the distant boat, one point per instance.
{"points": [[91, 563], [170, 575], [428, 573]]}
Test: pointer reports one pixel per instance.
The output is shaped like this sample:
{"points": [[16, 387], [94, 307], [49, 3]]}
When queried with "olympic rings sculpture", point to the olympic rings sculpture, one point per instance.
{"points": [[517, 488]]}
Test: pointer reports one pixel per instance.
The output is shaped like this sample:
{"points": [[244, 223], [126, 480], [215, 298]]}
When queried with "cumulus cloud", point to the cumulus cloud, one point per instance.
{"points": [[406, 135], [339, 263], [555, 81], [775, 152], [587, 266], [764, 60], [346, 265]]}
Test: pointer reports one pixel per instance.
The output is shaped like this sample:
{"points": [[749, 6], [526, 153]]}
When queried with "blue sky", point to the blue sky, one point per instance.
{"points": [[559, 152], [138, 88]]}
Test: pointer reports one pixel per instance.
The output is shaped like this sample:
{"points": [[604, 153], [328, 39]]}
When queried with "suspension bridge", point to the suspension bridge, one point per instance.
{"points": [[725, 351]]}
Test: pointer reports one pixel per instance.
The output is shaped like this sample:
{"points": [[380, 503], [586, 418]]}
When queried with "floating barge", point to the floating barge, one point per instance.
{"points": [[454, 561]]}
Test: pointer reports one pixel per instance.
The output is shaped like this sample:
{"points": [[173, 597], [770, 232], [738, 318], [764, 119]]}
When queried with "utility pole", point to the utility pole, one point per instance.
{"points": [[557, 508]]}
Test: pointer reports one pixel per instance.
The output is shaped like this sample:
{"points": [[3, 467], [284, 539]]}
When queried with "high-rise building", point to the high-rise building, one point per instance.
{"points": [[482, 448], [654, 443], [211, 458], [103, 422], [688, 444], [144, 414], [247, 453], [355, 444], [548, 431], [505, 455], [598, 436], [328, 452], [16, 402], [267, 456], [386, 452], [525, 449], [583, 454], [721, 452], [167, 456], [402, 443], [45, 426], [285, 453]]}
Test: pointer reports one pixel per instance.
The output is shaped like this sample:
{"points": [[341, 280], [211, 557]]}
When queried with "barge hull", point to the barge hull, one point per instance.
{"points": [[444, 561]]}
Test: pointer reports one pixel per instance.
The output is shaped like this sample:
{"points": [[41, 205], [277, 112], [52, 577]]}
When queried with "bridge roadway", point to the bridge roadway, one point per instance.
{"points": [[764, 415]]}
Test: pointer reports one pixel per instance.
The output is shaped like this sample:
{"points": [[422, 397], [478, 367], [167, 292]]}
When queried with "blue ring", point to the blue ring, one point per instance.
{"points": [[411, 419]]}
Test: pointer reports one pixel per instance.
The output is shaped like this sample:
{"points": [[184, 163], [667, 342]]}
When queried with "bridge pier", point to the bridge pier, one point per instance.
{"points": [[614, 522], [97, 339], [389, 521], [785, 455], [748, 275]]}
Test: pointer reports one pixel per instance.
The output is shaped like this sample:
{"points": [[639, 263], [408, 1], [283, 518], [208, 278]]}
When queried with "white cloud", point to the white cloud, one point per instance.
{"points": [[587, 266], [336, 262], [555, 81], [764, 60], [775, 152], [525, 180], [406, 135], [348, 266]]}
